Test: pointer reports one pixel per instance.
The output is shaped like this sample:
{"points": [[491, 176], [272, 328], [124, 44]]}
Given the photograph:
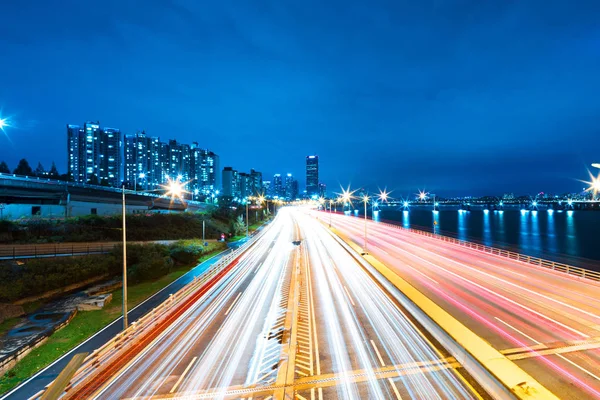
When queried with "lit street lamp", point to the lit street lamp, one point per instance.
{"points": [[365, 199], [330, 203], [124, 265]]}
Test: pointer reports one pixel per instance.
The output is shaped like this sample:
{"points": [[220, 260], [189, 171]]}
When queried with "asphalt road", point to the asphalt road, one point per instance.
{"points": [[545, 321], [297, 316]]}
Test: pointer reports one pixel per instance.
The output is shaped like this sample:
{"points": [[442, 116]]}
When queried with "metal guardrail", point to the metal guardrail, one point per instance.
{"points": [[565, 268], [128, 337], [53, 250]]}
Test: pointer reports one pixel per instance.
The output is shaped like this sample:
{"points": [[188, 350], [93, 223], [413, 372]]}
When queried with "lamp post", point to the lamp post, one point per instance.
{"points": [[366, 201], [330, 203], [247, 222], [124, 265]]}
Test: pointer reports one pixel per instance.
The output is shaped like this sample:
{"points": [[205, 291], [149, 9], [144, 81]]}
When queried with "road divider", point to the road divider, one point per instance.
{"points": [[498, 375]]}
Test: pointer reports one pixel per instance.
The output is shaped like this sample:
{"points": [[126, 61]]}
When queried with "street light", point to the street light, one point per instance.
{"points": [[124, 265], [365, 199], [330, 203]]}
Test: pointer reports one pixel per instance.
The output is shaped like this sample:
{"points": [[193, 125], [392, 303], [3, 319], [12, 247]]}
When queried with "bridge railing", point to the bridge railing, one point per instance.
{"points": [[128, 336], [556, 266]]}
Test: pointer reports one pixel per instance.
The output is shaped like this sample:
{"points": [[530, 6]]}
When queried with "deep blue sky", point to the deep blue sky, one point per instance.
{"points": [[464, 97]]}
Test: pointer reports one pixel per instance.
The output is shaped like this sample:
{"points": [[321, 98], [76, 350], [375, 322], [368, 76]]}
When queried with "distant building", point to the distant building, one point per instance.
{"points": [[110, 166], [94, 154], [267, 189], [230, 183], [312, 176], [105, 156], [322, 190], [256, 182], [291, 188], [205, 174], [278, 188]]}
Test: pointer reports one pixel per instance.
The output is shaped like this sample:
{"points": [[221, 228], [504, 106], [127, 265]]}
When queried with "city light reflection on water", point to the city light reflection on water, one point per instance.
{"points": [[558, 234]]}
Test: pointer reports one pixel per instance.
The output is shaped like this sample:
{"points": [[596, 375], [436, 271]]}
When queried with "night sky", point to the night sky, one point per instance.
{"points": [[464, 97]]}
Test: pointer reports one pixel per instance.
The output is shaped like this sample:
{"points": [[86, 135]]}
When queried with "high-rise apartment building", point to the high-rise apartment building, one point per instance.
{"points": [[105, 156], [205, 174], [231, 186], [278, 188], [110, 167], [291, 188], [312, 176], [256, 183], [94, 154], [76, 152]]}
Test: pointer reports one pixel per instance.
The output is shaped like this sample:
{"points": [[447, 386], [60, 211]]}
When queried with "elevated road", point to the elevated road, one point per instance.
{"points": [[547, 322], [297, 317]]}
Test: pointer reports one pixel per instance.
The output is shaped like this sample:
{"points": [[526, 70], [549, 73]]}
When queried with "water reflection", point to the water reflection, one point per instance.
{"points": [[551, 232], [487, 233], [405, 219], [536, 240], [524, 230], [500, 226], [571, 239], [462, 225], [436, 221]]}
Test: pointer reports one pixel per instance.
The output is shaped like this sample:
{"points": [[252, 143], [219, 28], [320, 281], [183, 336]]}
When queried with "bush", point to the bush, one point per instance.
{"points": [[144, 262]]}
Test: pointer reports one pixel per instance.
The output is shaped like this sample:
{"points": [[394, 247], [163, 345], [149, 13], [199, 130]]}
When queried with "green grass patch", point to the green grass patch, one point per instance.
{"points": [[84, 325]]}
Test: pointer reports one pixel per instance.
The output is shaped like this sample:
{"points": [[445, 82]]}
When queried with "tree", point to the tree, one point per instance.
{"points": [[40, 171], [54, 171], [23, 168], [4, 168]]}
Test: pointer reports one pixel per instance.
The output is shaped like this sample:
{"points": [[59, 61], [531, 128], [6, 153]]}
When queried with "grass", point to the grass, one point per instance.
{"points": [[84, 325]]}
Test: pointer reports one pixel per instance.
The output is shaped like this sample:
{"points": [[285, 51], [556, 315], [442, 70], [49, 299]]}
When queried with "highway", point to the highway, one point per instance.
{"points": [[548, 323], [297, 317]]}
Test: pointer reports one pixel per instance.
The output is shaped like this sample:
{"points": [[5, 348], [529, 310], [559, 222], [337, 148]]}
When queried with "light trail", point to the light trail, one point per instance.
{"points": [[481, 289], [231, 341]]}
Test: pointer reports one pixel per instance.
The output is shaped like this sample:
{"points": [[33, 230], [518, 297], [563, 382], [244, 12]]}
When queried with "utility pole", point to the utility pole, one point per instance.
{"points": [[124, 265]]}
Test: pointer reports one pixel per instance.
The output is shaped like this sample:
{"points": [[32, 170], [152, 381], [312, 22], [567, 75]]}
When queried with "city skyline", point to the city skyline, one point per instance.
{"points": [[454, 110]]}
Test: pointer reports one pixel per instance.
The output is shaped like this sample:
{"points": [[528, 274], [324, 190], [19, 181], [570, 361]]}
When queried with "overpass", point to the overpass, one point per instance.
{"points": [[25, 197]]}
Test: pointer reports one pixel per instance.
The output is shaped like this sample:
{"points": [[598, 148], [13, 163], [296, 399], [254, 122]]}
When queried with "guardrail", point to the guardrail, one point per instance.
{"points": [[53, 250], [137, 329], [24, 251], [567, 269]]}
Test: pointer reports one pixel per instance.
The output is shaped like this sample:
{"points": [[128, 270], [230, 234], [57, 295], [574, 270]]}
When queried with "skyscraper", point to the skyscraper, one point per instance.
{"points": [[76, 152], [256, 182], [110, 169], [291, 188], [205, 170], [94, 154], [278, 188], [231, 187], [312, 176]]}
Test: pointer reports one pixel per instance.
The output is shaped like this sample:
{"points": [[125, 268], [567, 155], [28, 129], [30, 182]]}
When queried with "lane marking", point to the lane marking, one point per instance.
{"points": [[390, 380], [559, 355], [183, 375], [377, 352], [350, 297], [232, 304]]}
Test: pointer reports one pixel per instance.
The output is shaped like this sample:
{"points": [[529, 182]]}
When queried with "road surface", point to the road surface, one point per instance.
{"points": [[297, 316], [547, 322]]}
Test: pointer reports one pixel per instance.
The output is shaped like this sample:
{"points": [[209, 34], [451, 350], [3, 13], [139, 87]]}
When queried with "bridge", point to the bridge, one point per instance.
{"points": [[309, 312], [28, 196]]}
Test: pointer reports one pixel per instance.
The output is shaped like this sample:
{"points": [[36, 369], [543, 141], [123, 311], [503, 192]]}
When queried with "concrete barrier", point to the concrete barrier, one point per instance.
{"points": [[498, 375]]}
